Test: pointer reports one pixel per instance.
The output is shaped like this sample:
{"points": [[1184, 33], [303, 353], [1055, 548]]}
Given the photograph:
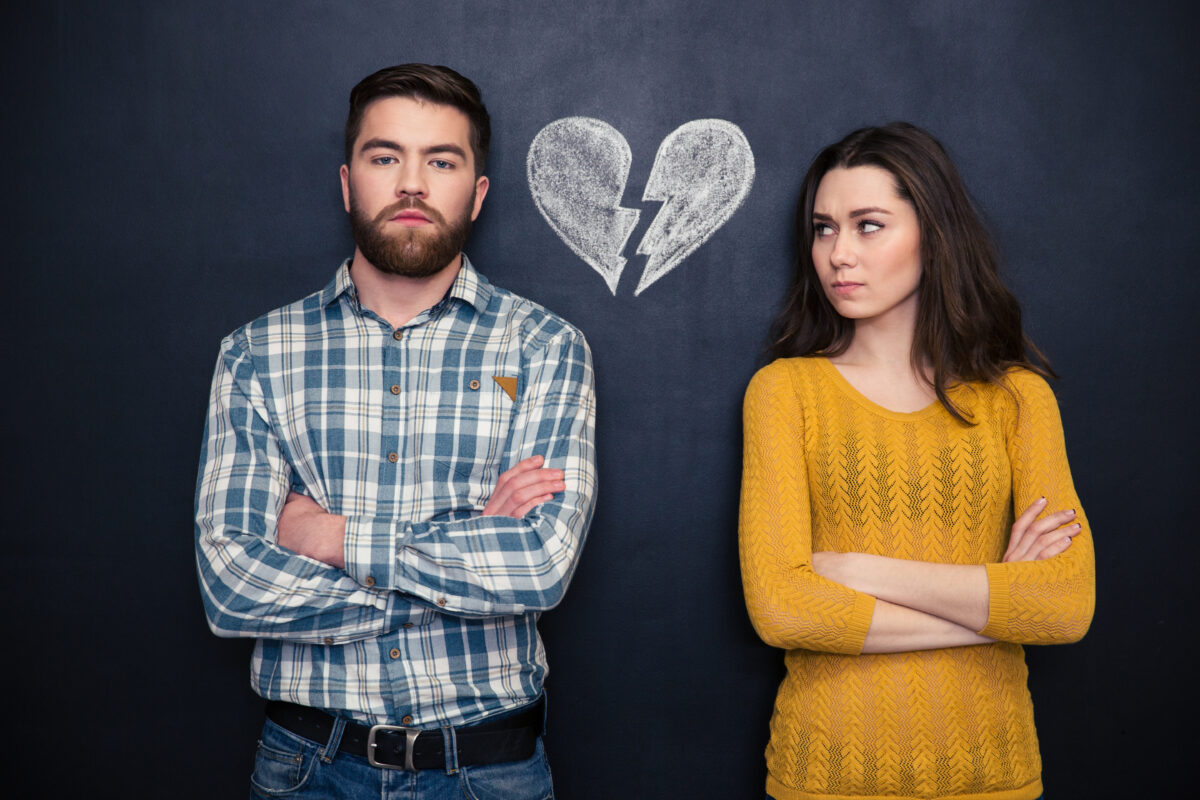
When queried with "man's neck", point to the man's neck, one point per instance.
{"points": [[398, 298]]}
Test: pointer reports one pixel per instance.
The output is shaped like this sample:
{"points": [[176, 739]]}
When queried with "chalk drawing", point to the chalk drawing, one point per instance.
{"points": [[577, 168], [703, 171]]}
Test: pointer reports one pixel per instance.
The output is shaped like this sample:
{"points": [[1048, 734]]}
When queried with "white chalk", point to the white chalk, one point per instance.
{"points": [[577, 168], [703, 171]]}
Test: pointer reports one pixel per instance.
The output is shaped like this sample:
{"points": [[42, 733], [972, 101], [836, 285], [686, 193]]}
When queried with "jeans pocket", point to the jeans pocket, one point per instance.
{"points": [[282, 763], [513, 780]]}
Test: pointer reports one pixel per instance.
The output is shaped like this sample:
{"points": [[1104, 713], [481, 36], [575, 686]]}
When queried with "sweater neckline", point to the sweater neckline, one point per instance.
{"points": [[847, 388]]}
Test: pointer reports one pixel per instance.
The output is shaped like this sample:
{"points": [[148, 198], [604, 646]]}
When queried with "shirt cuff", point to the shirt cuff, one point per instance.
{"points": [[999, 602], [370, 552], [860, 623]]}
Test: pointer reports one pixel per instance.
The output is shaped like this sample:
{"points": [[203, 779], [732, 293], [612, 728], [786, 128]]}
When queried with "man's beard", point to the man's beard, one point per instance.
{"points": [[410, 252]]}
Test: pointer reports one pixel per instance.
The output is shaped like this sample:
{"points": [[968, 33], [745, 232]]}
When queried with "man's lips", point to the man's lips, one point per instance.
{"points": [[410, 217]]}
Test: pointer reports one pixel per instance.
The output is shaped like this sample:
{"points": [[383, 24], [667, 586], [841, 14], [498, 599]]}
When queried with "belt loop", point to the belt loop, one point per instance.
{"points": [[450, 740], [545, 698], [330, 748]]}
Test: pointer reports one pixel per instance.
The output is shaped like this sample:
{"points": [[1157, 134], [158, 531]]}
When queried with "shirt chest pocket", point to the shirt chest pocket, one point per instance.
{"points": [[465, 444]]}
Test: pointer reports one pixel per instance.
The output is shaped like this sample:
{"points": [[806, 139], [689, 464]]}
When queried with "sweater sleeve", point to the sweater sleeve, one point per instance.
{"points": [[790, 605], [1049, 601]]}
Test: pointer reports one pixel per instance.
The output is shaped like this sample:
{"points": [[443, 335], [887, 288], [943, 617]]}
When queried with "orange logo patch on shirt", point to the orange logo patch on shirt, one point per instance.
{"points": [[509, 385]]}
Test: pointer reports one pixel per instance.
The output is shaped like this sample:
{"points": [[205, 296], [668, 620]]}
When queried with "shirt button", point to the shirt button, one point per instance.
{"points": [[395, 388], [406, 719], [397, 335], [406, 625], [394, 652], [328, 640], [474, 384], [441, 601], [393, 457], [369, 581]]}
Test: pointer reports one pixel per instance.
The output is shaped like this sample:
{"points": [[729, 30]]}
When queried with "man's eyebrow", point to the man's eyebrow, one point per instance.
{"points": [[388, 144], [385, 144], [452, 149]]}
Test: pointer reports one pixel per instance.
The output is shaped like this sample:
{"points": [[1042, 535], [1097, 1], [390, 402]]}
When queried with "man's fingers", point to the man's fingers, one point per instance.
{"points": [[540, 488], [520, 468], [522, 487], [531, 505]]}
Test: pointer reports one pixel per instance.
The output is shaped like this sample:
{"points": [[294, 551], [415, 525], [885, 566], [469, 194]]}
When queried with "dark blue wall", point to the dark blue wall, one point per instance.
{"points": [[171, 172]]}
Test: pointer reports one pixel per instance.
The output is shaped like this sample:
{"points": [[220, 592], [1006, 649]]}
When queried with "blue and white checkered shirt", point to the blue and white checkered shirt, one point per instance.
{"points": [[405, 432]]}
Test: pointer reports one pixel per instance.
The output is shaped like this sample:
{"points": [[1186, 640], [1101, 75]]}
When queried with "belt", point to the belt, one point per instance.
{"points": [[512, 737]]}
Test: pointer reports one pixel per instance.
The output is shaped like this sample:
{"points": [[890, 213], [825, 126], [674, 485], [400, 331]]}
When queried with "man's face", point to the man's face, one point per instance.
{"points": [[410, 187]]}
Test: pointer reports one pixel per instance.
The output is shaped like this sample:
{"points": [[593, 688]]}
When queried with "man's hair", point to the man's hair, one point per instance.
{"points": [[968, 322], [430, 84]]}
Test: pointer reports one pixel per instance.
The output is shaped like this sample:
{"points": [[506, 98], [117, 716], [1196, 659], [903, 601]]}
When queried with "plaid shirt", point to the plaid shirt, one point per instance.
{"points": [[405, 432]]}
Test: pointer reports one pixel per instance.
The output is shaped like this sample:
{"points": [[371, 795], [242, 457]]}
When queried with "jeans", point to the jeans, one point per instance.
{"points": [[290, 766]]}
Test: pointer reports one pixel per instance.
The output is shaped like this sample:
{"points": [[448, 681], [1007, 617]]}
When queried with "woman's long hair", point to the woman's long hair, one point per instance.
{"points": [[968, 322]]}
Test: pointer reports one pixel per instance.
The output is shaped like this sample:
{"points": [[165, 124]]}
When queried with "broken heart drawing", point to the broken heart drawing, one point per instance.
{"points": [[577, 168]]}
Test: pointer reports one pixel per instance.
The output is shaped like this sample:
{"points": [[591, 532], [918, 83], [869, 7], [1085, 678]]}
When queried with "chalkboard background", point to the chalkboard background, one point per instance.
{"points": [[171, 172]]}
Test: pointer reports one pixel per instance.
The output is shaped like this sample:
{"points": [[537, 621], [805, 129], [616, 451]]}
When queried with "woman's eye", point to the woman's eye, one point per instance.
{"points": [[821, 229], [870, 227]]}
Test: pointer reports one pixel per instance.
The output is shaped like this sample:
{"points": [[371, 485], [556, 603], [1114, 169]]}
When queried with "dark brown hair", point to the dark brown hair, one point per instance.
{"points": [[440, 85], [968, 322]]}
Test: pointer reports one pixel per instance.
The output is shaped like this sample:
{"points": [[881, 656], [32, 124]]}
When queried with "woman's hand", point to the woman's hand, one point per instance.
{"points": [[1035, 539]]}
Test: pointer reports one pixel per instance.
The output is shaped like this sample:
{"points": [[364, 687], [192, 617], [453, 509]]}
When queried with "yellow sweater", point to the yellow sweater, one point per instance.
{"points": [[827, 469]]}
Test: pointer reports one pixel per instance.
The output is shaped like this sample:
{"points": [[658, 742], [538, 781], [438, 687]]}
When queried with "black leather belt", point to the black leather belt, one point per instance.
{"points": [[512, 737]]}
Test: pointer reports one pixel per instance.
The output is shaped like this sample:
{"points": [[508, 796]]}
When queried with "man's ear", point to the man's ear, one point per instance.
{"points": [[345, 173], [481, 187]]}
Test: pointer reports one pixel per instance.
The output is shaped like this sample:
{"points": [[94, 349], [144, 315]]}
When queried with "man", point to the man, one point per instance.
{"points": [[397, 478]]}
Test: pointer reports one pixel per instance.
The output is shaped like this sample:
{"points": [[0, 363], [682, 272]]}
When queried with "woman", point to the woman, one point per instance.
{"points": [[886, 450]]}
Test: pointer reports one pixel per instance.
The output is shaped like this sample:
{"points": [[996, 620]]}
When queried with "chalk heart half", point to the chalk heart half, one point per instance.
{"points": [[577, 169]]}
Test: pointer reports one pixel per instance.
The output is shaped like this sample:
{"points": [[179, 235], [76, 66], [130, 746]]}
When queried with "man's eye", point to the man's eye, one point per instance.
{"points": [[442, 164], [384, 160]]}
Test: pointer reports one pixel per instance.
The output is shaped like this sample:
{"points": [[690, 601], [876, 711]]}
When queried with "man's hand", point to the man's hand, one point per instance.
{"points": [[1034, 539], [522, 488], [308, 529]]}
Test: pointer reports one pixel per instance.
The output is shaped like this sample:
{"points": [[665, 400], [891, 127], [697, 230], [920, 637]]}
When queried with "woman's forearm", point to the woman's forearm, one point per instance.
{"points": [[896, 629], [957, 593]]}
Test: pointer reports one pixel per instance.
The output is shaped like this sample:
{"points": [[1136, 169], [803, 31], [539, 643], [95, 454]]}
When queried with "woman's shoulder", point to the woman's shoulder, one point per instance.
{"points": [[1016, 393], [785, 374], [1027, 386]]}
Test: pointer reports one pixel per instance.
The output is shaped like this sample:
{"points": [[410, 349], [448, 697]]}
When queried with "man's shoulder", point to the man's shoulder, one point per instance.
{"points": [[299, 319], [533, 322]]}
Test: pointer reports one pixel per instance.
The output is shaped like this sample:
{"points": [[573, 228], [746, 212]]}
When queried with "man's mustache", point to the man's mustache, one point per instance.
{"points": [[409, 204]]}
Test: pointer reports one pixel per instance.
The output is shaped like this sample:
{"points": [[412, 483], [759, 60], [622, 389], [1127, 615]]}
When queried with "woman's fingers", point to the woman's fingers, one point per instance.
{"points": [[1035, 539], [1018, 543]]}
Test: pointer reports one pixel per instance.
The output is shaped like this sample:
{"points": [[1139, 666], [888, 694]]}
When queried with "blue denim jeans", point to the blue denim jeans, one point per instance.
{"points": [[290, 766]]}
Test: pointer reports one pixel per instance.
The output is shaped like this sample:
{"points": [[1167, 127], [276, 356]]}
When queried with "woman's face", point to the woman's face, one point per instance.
{"points": [[866, 244]]}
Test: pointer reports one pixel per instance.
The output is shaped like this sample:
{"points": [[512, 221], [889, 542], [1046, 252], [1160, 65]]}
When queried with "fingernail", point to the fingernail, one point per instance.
{"points": [[1078, 527], [1041, 499], [1071, 512]]}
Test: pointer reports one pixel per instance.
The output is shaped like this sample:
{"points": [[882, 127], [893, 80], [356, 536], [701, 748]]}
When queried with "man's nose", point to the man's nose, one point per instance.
{"points": [[411, 181]]}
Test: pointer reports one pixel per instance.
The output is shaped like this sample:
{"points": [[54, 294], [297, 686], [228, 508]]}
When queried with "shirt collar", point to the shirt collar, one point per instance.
{"points": [[469, 286]]}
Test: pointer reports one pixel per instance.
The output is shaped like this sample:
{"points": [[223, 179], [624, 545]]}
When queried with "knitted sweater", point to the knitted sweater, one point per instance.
{"points": [[827, 469]]}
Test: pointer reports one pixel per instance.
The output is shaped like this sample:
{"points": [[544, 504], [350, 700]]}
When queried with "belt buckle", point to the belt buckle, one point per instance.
{"points": [[410, 739]]}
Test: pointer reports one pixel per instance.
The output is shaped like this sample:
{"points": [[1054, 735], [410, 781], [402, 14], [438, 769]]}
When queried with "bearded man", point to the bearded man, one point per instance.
{"points": [[396, 479]]}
